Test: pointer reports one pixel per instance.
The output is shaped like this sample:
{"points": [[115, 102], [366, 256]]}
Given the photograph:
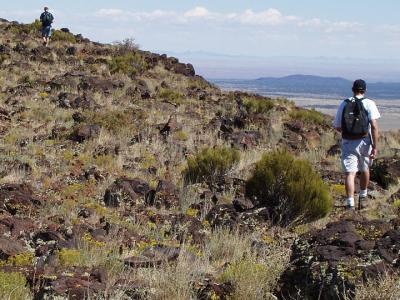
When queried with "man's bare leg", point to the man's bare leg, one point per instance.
{"points": [[349, 183], [364, 181]]}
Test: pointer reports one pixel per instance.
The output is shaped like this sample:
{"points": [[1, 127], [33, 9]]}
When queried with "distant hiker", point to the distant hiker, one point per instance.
{"points": [[47, 19], [356, 119]]}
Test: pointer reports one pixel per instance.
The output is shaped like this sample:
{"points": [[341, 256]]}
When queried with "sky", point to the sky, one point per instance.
{"points": [[347, 31]]}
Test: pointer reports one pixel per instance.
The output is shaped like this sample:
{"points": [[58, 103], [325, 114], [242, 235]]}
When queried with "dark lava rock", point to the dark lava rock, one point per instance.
{"points": [[125, 190], [5, 49], [223, 215], [76, 284], [210, 290], [20, 48], [68, 100], [245, 139], [184, 69], [66, 30], [394, 197], [166, 194], [17, 199], [242, 204], [386, 171], [153, 256], [71, 50], [99, 84], [10, 247], [171, 126], [17, 227], [78, 117], [85, 132], [334, 150], [139, 90], [329, 263]]}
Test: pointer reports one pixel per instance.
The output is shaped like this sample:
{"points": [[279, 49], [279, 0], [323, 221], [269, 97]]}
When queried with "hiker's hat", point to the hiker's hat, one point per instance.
{"points": [[359, 85]]}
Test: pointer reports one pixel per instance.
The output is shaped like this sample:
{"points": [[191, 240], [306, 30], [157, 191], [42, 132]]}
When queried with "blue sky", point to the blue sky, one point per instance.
{"points": [[253, 28]]}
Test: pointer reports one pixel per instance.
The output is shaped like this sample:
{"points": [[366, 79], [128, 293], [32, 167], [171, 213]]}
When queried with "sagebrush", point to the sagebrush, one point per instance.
{"points": [[290, 188]]}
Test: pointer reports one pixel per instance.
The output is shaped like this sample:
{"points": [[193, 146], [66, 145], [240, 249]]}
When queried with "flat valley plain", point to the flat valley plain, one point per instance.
{"points": [[389, 109]]}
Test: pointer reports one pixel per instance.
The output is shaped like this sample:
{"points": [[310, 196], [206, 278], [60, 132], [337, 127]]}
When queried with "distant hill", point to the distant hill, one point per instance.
{"points": [[310, 86]]}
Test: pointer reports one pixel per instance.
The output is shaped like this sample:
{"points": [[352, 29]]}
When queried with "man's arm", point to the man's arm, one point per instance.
{"points": [[375, 138]]}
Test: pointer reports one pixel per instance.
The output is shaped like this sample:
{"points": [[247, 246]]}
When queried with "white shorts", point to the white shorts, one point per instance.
{"points": [[355, 155]]}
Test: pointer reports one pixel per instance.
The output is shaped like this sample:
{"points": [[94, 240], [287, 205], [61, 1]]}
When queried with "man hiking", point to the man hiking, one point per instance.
{"points": [[356, 119], [47, 19]]}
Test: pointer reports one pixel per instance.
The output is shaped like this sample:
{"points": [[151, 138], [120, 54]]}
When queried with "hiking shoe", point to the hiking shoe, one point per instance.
{"points": [[362, 202], [348, 207]]}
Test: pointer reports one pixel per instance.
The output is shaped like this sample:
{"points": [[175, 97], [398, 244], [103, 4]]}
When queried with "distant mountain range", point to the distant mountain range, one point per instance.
{"points": [[309, 86]]}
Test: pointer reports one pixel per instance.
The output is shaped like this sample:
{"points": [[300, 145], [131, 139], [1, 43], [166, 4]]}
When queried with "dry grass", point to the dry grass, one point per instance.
{"points": [[387, 287]]}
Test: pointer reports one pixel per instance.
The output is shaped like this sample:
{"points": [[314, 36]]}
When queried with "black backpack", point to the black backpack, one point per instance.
{"points": [[46, 19], [355, 122]]}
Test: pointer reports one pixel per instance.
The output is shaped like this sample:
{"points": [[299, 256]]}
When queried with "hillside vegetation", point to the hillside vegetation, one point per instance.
{"points": [[124, 175]]}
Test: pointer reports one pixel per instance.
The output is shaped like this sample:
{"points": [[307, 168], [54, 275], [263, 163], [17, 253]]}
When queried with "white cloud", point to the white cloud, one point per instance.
{"points": [[109, 12], [344, 27], [267, 17], [197, 12], [315, 22]]}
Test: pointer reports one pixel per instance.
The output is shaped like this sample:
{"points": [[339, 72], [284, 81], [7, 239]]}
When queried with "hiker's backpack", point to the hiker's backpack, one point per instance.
{"points": [[47, 19], [355, 122]]}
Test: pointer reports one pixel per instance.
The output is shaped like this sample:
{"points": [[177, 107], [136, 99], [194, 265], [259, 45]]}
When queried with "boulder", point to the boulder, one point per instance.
{"points": [[71, 50], [125, 190], [99, 84], [223, 215], [10, 248], [166, 194], [334, 150], [75, 101], [242, 204], [84, 132], [18, 199], [171, 126], [210, 289], [139, 90], [17, 227], [74, 284], [153, 256], [329, 263], [386, 171], [245, 139]]}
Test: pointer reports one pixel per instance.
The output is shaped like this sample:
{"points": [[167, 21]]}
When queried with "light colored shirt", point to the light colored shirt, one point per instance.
{"points": [[369, 105]]}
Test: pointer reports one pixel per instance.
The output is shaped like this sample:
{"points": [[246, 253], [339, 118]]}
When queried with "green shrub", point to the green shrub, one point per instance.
{"points": [[210, 165], [308, 116], [32, 28], [62, 36], [258, 106], [13, 286], [113, 120], [246, 276], [290, 188], [171, 96], [35, 27], [130, 63], [70, 257]]}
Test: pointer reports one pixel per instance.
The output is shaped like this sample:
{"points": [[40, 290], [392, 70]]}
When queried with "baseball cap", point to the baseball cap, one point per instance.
{"points": [[359, 85]]}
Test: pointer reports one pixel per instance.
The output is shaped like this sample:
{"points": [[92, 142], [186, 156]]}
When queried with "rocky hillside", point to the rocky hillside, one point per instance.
{"points": [[124, 175]]}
